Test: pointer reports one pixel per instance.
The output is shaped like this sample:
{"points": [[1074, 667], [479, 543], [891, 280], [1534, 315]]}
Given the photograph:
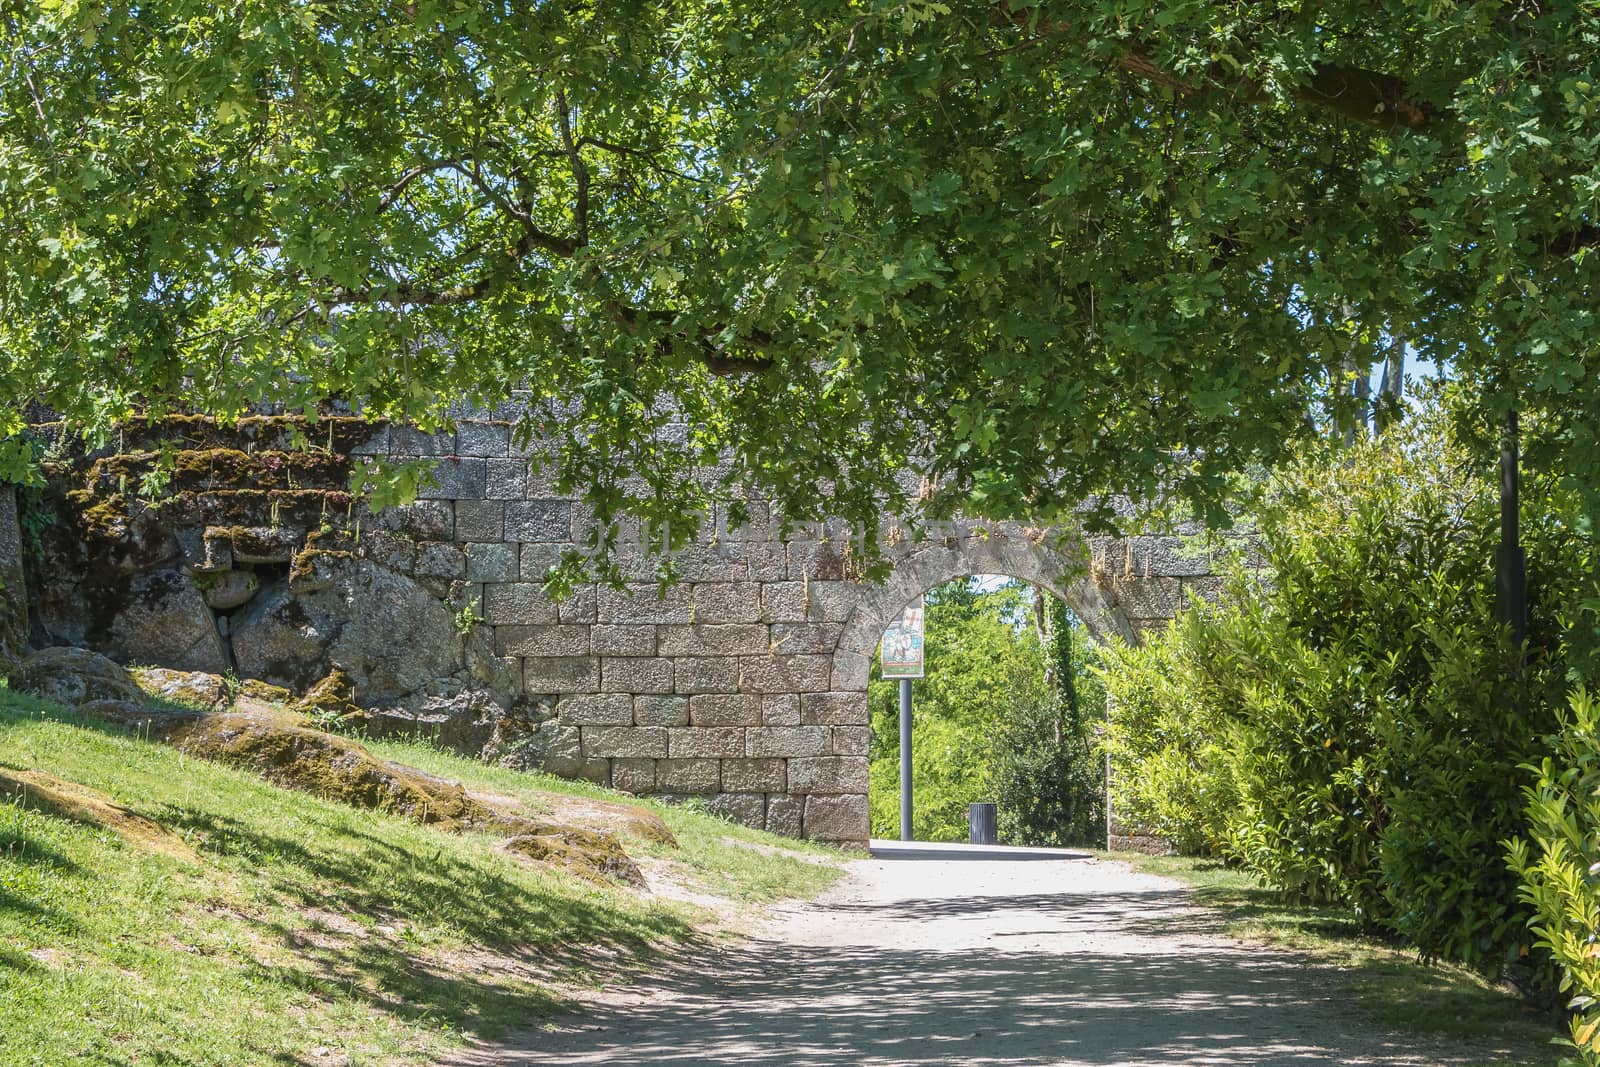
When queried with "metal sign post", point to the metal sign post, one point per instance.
{"points": [[900, 656], [905, 759]]}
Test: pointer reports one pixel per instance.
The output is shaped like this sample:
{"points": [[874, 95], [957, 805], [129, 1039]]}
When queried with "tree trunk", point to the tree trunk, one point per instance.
{"points": [[1511, 573]]}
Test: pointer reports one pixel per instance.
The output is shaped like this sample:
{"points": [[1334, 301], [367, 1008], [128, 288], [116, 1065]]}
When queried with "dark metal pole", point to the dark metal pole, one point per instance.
{"points": [[1511, 577], [905, 759]]}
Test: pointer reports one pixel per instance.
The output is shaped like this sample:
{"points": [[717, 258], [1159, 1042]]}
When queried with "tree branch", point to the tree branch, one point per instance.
{"points": [[580, 170], [1382, 101]]}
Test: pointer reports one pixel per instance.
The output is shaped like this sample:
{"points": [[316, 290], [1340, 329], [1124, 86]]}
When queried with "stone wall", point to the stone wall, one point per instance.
{"points": [[744, 685]]}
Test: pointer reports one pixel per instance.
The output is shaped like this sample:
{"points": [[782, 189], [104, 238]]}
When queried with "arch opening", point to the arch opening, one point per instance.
{"points": [[1003, 715]]}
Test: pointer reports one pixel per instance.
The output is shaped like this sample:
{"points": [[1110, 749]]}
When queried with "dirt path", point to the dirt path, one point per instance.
{"points": [[1019, 957]]}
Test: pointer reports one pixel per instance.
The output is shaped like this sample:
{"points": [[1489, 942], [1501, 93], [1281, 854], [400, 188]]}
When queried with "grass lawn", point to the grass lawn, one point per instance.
{"points": [[1389, 982], [309, 932]]}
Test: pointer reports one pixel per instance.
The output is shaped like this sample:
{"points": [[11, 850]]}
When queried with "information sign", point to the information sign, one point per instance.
{"points": [[900, 655]]}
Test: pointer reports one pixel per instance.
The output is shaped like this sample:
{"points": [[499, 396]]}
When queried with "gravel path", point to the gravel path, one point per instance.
{"points": [[925, 954]]}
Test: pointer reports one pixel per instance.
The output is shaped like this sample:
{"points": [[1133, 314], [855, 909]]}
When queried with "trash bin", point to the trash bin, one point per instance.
{"points": [[981, 820]]}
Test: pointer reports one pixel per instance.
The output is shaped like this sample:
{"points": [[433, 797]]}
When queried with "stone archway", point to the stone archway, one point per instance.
{"points": [[1042, 557]]}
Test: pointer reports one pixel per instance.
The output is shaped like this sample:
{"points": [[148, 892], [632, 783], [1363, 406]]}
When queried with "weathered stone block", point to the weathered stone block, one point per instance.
{"points": [[412, 442], [1148, 598], [784, 602], [689, 775], [480, 520], [1169, 557], [660, 711], [709, 742], [618, 640], [440, 560], [757, 524], [791, 638], [785, 815], [482, 438], [828, 774], [456, 478], [702, 639], [780, 709], [725, 709], [538, 557], [705, 674], [633, 775], [643, 604], [827, 561], [596, 710], [833, 709], [746, 809], [784, 674], [424, 520], [394, 551], [768, 560], [727, 602], [836, 818], [517, 603], [266, 544], [753, 775], [164, 620], [542, 640], [491, 563], [850, 671], [626, 741], [635, 674], [788, 741], [1210, 589], [852, 740], [561, 674], [538, 520], [712, 563], [580, 606], [506, 479], [806, 601]]}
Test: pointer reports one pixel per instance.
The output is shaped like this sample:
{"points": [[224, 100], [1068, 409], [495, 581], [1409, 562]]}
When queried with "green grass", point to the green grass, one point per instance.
{"points": [[1390, 983], [306, 923]]}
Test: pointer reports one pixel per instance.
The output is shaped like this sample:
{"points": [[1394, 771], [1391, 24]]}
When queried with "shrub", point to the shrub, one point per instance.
{"points": [[1559, 864], [1349, 721], [1045, 774]]}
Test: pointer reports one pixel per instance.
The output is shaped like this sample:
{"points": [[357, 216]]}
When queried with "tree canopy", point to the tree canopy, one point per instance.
{"points": [[1037, 253]]}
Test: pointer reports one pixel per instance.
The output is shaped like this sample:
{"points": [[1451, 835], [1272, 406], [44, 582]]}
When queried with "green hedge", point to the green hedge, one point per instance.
{"points": [[1350, 722]]}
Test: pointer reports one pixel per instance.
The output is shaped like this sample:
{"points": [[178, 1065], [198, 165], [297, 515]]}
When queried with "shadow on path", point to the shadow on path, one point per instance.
{"points": [[983, 966]]}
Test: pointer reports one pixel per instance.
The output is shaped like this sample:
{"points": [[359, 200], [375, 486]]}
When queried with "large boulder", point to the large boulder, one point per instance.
{"points": [[75, 676], [165, 621], [277, 641], [392, 637], [593, 855]]}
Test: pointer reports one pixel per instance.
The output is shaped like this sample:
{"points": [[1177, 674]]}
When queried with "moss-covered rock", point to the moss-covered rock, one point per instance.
{"points": [[629, 820], [333, 697], [286, 752], [74, 676], [196, 689], [592, 855]]}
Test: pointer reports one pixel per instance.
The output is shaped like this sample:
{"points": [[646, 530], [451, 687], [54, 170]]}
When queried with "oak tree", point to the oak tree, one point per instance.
{"points": [[1037, 253]]}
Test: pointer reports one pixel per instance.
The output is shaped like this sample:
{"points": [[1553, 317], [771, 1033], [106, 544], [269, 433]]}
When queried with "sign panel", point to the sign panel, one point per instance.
{"points": [[900, 655]]}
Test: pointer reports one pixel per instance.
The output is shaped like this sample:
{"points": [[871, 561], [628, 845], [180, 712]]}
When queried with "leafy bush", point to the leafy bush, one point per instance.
{"points": [[1044, 772], [1560, 868], [1349, 722]]}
